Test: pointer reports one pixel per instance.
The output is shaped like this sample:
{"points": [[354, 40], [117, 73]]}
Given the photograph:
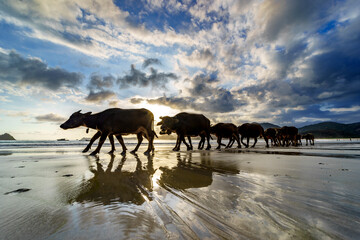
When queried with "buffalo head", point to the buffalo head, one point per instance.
{"points": [[168, 125], [76, 120]]}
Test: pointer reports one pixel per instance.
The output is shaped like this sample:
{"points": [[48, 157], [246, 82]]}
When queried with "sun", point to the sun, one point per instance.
{"points": [[159, 110]]}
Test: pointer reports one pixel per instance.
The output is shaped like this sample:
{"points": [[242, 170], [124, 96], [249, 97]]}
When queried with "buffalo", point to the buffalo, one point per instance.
{"points": [[270, 133], [309, 137], [287, 135], [187, 125], [116, 121], [226, 130], [250, 130]]}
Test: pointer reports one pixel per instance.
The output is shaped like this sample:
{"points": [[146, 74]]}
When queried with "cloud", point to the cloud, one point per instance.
{"points": [[100, 82], [4, 99], [151, 61], [136, 100], [33, 72], [12, 113], [138, 78], [114, 103], [286, 59], [355, 108], [279, 18], [203, 96], [100, 96], [174, 102], [51, 117]]}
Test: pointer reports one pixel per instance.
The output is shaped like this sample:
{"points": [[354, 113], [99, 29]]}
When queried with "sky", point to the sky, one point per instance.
{"points": [[285, 62]]}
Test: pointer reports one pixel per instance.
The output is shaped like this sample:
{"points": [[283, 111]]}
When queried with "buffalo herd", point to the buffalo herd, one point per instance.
{"points": [[117, 122]]}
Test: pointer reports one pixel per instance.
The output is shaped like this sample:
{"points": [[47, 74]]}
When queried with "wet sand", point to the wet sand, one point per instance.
{"points": [[276, 193]]}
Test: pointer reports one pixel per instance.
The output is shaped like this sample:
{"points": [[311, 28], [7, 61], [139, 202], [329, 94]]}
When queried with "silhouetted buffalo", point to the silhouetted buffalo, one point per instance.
{"points": [[250, 130], [226, 130], [116, 121], [187, 125], [309, 137], [270, 133], [287, 135]]}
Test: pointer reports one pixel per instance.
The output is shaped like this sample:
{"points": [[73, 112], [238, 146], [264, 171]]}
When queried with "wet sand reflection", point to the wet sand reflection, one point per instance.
{"points": [[118, 185]]}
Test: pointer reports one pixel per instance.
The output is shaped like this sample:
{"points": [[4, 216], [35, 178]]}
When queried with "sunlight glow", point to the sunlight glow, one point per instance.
{"points": [[159, 110]]}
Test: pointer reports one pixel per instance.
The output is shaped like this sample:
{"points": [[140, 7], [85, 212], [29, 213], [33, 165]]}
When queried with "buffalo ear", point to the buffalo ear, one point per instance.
{"points": [[87, 114], [78, 111], [159, 123], [161, 117]]}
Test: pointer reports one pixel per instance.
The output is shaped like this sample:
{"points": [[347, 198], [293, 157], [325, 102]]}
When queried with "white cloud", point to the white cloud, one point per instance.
{"points": [[343, 109], [311, 119]]}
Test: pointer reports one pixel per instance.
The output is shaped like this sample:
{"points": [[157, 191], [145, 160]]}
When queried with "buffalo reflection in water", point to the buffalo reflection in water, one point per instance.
{"points": [[186, 174], [108, 186]]}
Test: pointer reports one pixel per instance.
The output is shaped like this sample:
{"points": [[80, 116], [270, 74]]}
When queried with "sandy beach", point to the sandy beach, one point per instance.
{"points": [[57, 192]]}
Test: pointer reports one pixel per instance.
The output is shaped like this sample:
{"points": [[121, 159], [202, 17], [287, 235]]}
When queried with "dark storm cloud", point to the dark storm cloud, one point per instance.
{"points": [[99, 89], [51, 117], [100, 82], [138, 78], [204, 97], [202, 84], [151, 61], [100, 96], [33, 72]]}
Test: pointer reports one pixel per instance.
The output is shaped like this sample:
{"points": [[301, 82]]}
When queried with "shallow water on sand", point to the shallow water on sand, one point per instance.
{"points": [[260, 193]]}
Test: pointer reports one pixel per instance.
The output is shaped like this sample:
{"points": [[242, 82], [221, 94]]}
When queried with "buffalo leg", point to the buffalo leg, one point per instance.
{"points": [[182, 139], [255, 141], [150, 137], [202, 142], [177, 145], [191, 147], [231, 142], [121, 141], [267, 141], [237, 140], [242, 141], [96, 136], [140, 139], [101, 142], [247, 142], [111, 139], [219, 142], [208, 141]]}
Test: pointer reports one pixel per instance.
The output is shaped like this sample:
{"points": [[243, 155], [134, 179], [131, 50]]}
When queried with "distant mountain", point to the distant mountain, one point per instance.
{"points": [[6, 136], [269, 125], [332, 130]]}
